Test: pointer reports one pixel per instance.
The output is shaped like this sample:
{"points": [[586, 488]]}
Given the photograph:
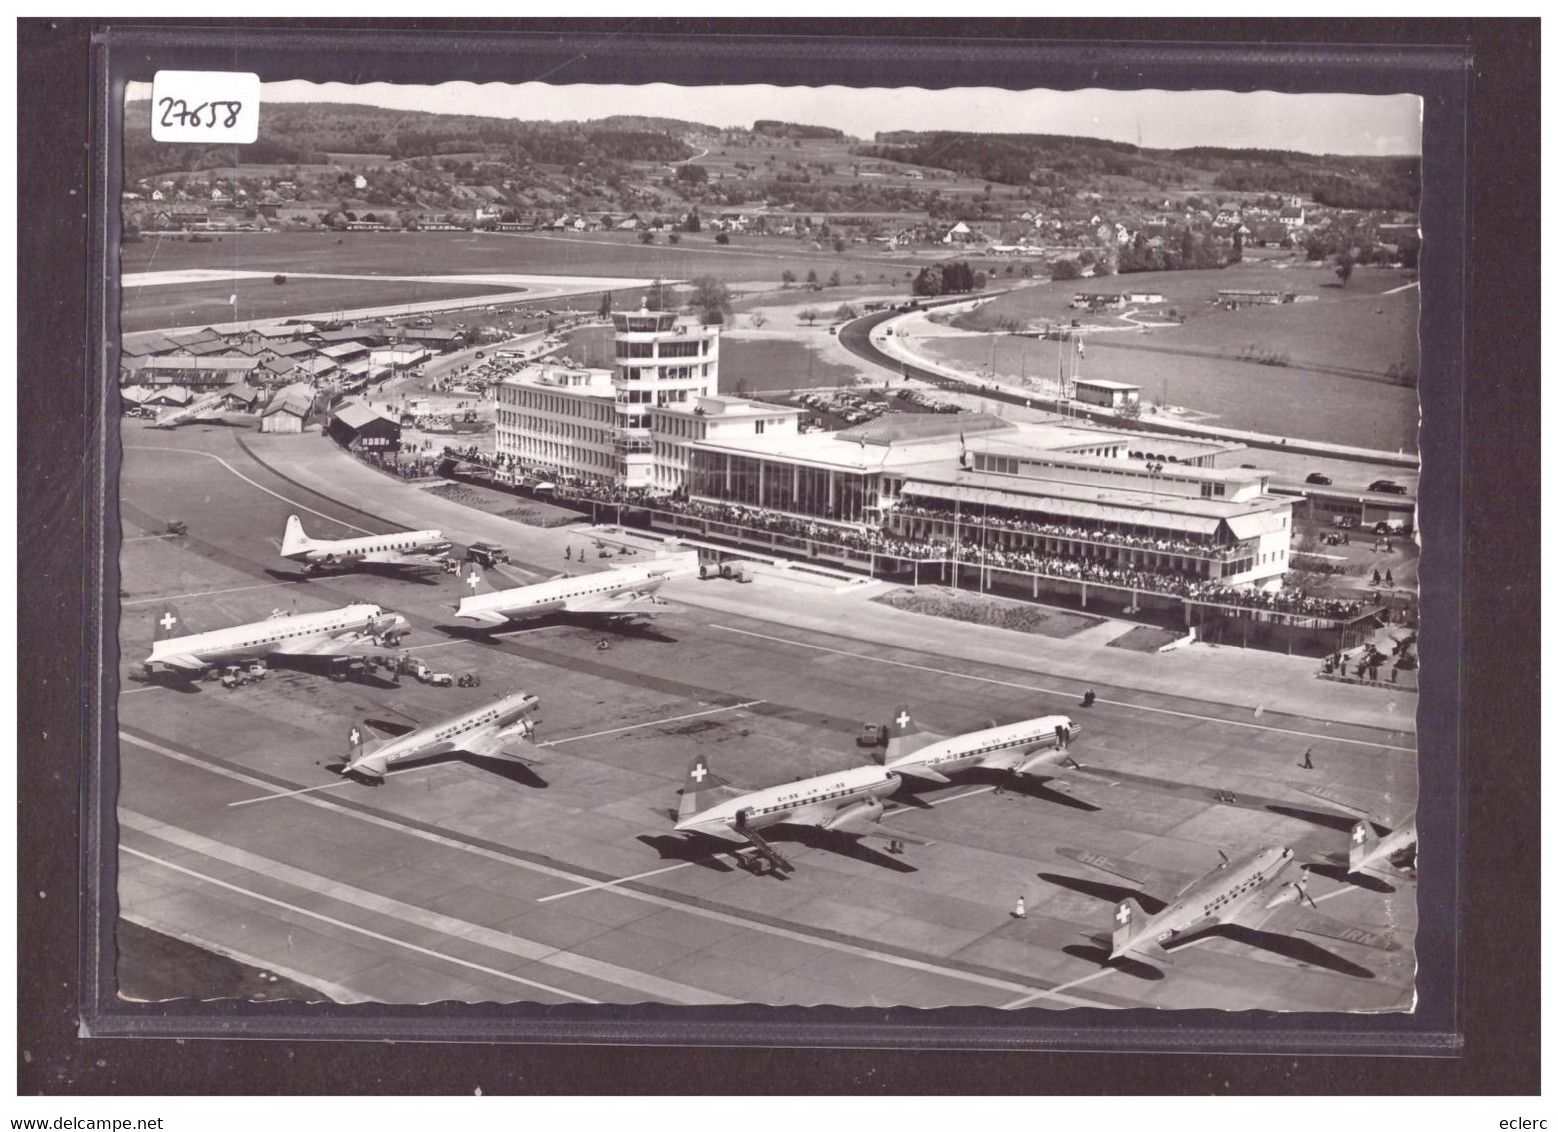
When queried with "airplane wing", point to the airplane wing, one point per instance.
{"points": [[484, 616], [921, 771], [184, 662], [497, 745], [866, 822], [619, 605], [1126, 870], [397, 558], [349, 644], [1047, 757]]}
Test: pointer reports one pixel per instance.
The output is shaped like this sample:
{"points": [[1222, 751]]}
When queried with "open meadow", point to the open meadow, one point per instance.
{"points": [[204, 304]]}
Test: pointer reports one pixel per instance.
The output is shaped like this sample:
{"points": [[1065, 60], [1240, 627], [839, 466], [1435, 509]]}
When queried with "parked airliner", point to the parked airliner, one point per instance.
{"points": [[626, 591], [1229, 891], [208, 406], [347, 631], [486, 732], [403, 548], [847, 802], [1016, 747]]}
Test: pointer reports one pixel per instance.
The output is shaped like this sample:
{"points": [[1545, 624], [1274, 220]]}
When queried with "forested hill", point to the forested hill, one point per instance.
{"points": [[303, 133], [1054, 161]]}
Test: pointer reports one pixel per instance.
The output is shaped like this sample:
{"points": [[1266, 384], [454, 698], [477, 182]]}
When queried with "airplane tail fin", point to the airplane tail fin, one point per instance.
{"points": [[1364, 839], [294, 541], [700, 785], [904, 736], [361, 742], [475, 581], [1128, 922], [168, 623]]}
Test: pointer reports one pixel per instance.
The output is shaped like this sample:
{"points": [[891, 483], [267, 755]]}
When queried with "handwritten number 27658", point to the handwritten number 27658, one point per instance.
{"points": [[176, 112]]}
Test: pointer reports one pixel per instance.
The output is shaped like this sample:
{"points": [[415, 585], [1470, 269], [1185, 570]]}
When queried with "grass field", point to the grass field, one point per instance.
{"points": [[453, 253], [156, 308]]}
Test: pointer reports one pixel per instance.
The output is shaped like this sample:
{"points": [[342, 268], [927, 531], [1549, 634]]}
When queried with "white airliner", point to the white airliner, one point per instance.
{"points": [[1231, 889], [347, 631], [625, 591], [847, 802], [1370, 853], [207, 406], [403, 548], [484, 731], [1367, 851], [1016, 747]]}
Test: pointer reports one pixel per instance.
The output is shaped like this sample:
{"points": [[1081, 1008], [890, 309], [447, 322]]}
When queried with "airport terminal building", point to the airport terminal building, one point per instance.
{"points": [[598, 427]]}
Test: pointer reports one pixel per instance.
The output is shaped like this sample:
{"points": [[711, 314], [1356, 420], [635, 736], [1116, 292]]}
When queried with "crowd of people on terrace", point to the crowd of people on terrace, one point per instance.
{"points": [[883, 543], [1007, 521]]}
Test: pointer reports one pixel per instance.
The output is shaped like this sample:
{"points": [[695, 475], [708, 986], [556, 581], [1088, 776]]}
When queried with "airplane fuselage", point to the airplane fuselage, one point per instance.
{"points": [[451, 733], [1006, 746], [555, 596], [405, 543], [262, 638], [1384, 850], [811, 801], [207, 404], [1212, 900]]}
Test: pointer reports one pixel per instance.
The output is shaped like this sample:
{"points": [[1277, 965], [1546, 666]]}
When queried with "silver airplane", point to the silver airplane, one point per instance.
{"points": [[488, 732], [1017, 747], [403, 548], [846, 801], [353, 630], [1232, 890]]}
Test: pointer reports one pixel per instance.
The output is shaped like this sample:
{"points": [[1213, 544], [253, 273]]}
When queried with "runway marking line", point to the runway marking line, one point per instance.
{"points": [[752, 924], [369, 932], [619, 880], [412, 915], [247, 480], [1056, 692], [206, 593], [1026, 999]]}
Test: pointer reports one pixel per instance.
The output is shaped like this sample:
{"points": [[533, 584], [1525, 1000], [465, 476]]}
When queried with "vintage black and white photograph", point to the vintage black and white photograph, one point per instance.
{"points": [[590, 544]]}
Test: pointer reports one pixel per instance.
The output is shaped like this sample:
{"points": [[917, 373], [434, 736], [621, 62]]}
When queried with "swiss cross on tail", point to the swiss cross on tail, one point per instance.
{"points": [[701, 788], [168, 623], [904, 736], [476, 581]]}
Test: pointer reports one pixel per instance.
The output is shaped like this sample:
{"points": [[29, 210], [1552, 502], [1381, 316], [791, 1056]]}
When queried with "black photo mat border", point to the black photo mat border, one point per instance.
{"points": [[1456, 443]]}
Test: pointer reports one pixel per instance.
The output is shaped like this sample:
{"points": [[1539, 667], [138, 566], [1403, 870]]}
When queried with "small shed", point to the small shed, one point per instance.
{"points": [[1109, 394], [359, 427], [289, 409]]}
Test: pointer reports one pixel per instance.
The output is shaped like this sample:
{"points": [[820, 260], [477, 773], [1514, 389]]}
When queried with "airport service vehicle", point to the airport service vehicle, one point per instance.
{"points": [[208, 406], [625, 591], [847, 802], [404, 548], [497, 730], [486, 554], [1020, 748], [1232, 890], [351, 630], [1318, 478]]}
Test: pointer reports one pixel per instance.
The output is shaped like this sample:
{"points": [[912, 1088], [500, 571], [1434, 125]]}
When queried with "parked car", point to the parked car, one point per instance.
{"points": [[1388, 487], [1317, 477]]}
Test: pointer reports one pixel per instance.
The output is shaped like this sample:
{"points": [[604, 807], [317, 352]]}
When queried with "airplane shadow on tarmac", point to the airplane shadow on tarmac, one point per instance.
{"points": [[1340, 874], [1096, 953], [1341, 822], [1103, 890], [484, 635], [676, 847], [517, 773], [1299, 950], [372, 569]]}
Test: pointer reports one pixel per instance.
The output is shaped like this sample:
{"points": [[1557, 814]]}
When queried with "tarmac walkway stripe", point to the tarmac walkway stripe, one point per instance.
{"points": [[206, 593], [863, 951], [619, 880], [652, 723], [247, 480], [1056, 692], [1024, 1001], [333, 922], [660, 989]]}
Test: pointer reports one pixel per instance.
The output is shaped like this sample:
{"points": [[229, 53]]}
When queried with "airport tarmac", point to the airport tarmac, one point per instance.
{"points": [[562, 881]]}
